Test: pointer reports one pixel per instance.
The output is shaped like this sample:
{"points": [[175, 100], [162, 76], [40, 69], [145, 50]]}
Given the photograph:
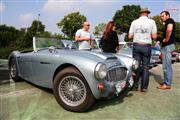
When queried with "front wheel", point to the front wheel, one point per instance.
{"points": [[13, 70], [72, 91]]}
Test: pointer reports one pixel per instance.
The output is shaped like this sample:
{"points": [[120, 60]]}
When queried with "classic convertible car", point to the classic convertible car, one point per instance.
{"points": [[76, 77]]}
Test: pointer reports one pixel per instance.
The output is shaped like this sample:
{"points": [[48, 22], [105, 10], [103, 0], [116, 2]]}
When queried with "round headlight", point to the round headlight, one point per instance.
{"points": [[135, 64], [100, 71]]}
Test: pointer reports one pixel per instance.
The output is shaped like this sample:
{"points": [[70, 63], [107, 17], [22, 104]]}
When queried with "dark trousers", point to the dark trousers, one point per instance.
{"points": [[142, 53]]}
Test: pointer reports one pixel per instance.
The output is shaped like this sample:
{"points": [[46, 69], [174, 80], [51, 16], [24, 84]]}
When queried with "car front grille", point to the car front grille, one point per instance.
{"points": [[116, 74]]}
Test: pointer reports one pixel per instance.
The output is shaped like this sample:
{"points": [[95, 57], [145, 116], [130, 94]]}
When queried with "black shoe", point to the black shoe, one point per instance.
{"points": [[143, 90]]}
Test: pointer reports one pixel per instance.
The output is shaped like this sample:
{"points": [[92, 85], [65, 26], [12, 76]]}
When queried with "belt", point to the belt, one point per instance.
{"points": [[142, 44]]}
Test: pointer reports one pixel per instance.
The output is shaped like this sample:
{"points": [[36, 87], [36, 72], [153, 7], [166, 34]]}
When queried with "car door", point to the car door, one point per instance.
{"points": [[25, 66], [43, 68]]}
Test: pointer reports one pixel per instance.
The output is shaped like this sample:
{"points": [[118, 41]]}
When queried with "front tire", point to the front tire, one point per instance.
{"points": [[13, 70], [72, 91]]}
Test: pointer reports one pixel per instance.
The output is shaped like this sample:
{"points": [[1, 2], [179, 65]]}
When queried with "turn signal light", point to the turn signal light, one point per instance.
{"points": [[101, 86]]}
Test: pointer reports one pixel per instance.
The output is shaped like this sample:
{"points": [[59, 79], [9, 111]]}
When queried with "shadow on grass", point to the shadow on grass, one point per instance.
{"points": [[157, 78], [48, 90], [4, 74], [99, 104]]}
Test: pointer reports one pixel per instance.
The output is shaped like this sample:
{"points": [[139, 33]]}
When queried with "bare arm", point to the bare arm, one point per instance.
{"points": [[168, 32], [78, 38], [130, 36], [154, 36]]}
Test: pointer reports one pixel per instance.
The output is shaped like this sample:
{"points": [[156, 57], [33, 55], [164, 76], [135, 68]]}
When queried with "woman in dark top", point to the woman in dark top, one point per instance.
{"points": [[109, 42]]}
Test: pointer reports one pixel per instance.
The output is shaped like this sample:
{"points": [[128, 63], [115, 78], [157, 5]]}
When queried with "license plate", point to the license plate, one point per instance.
{"points": [[120, 85]]}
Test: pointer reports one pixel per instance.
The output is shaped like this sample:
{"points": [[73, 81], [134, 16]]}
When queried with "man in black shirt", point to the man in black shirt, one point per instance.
{"points": [[167, 47]]}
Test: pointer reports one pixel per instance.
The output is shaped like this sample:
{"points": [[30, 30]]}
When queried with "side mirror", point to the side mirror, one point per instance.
{"points": [[52, 49]]}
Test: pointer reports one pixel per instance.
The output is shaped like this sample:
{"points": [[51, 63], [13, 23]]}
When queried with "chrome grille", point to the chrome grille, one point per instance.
{"points": [[116, 74]]}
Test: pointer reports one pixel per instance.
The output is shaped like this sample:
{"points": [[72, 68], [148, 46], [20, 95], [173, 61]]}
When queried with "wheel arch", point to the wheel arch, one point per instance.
{"points": [[64, 66], [11, 56]]}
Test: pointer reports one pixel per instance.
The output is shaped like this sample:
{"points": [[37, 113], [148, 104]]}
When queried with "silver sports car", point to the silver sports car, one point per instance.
{"points": [[76, 77]]}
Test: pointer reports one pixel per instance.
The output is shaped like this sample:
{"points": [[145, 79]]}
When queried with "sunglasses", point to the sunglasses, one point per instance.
{"points": [[87, 25]]}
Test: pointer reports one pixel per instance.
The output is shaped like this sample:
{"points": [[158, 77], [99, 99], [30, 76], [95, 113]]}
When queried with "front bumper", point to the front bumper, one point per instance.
{"points": [[114, 88]]}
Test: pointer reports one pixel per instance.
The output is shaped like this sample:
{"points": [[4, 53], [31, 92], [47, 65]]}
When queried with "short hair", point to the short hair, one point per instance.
{"points": [[166, 12]]}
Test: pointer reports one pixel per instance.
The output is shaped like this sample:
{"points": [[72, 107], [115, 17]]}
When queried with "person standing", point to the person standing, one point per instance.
{"points": [[167, 47], [84, 37], [142, 30], [109, 42]]}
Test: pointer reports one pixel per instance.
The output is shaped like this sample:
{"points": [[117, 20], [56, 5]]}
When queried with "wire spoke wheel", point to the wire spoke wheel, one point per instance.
{"points": [[13, 70], [72, 91]]}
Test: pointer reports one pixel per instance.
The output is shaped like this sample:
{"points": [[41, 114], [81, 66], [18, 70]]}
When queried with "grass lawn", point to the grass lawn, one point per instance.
{"points": [[3, 61]]}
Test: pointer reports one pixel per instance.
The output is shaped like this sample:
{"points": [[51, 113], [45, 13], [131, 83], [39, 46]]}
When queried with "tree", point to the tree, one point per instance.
{"points": [[71, 23], [124, 17], [9, 35], [99, 29], [36, 29], [160, 26], [177, 36]]}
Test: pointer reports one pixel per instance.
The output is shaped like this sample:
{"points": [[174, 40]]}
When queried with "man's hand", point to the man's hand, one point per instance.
{"points": [[164, 40], [157, 44], [117, 49]]}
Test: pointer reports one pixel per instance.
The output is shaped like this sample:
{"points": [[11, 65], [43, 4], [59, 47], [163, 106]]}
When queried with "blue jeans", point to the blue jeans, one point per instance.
{"points": [[167, 63], [142, 53]]}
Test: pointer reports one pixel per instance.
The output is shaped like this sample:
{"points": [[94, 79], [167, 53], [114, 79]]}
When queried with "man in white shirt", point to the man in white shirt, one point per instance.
{"points": [[142, 30], [84, 37]]}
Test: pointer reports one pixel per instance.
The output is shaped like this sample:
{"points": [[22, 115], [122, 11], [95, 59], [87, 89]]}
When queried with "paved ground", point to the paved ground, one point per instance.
{"points": [[24, 101]]}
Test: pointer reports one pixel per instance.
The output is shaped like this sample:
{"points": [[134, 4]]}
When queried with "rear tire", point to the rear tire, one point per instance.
{"points": [[72, 91]]}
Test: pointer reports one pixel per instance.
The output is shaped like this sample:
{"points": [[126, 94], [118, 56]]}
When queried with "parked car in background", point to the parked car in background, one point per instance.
{"points": [[76, 77], [126, 50], [175, 56]]}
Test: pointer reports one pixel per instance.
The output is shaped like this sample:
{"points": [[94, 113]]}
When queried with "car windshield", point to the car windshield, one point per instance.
{"points": [[71, 44], [47, 42], [95, 44]]}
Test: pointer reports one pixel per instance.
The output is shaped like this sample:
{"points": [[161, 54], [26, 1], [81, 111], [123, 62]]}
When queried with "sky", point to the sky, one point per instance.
{"points": [[21, 13]]}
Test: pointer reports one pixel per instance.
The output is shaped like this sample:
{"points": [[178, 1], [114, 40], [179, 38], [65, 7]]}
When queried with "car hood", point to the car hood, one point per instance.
{"points": [[101, 55], [87, 53], [126, 52]]}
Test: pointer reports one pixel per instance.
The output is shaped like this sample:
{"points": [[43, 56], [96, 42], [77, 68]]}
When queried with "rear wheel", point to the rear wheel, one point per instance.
{"points": [[72, 91], [13, 70]]}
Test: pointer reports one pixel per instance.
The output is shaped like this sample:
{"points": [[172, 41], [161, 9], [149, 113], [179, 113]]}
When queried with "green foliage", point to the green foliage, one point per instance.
{"points": [[25, 41], [8, 35], [125, 16], [99, 29], [36, 28], [13, 39], [160, 27], [71, 23], [4, 52], [177, 36]]}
